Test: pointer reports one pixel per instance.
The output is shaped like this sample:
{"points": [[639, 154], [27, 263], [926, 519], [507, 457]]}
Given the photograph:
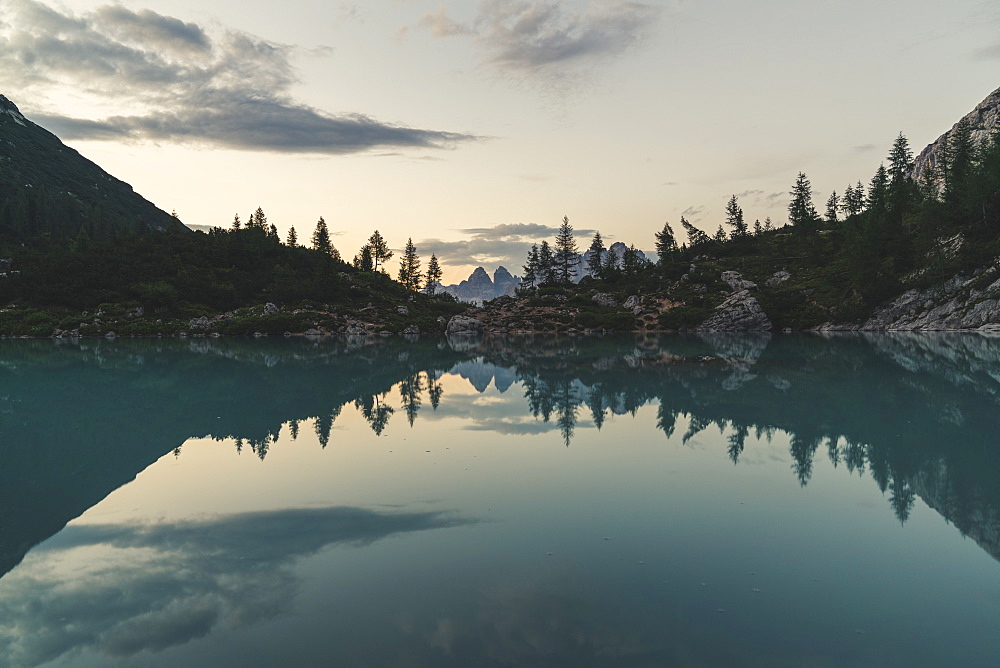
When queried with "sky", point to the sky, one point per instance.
{"points": [[475, 127]]}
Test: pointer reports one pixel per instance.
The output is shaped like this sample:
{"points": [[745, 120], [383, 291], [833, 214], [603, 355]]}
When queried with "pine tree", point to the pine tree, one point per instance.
{"points": [[272, 231], [546, 265], [695, 236], [720, 235], [768, 225], [630, 261], [409, 267], [364, 260], [379, 250], [831, 208], [846, 205], [594, 254], [566, 258], [957, 164], [801, 212], [758, 229], [734, 218], [433, 277], [236, 223], [321, 238], [531, 268], [293, 238], [878, 191], [666, 245], [258, 219]]}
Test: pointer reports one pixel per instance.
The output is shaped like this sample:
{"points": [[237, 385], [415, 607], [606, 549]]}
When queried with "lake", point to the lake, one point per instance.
{"points": [[722, 499]]}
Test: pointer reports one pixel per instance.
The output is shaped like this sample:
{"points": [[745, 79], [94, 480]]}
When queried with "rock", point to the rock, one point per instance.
{"points": [[699, 288], [740, 312], [736, 282], [461, 324], [633, 301], [777, 279], [604, 299], [982, 121], [110, 335], [199, 323], [637, 311], [355, 328], [962, 303], [411, 330], [312, 331], [441, 321], [270, 309], [402, 310], [137, 312]]}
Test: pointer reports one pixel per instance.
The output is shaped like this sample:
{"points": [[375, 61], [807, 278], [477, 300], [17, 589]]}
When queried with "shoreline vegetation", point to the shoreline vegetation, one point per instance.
{"points": [[916, 248]]}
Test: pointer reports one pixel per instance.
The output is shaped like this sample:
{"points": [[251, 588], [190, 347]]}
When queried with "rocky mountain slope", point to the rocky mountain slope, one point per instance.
{"points": [[48, 188], [982, 120], [479, 287]]}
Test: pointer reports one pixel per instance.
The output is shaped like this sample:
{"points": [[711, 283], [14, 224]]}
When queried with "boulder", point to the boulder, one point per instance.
{"points": [[777, 279], [736, 282], [411, 330], [604, 299], [270, 309], [461, 324], [740, 312], [355, 328], [633, 302], [402, 310], [199, 323]]}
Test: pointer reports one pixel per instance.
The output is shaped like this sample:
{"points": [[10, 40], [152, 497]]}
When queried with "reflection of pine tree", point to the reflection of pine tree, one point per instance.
{"points": [[666, 419], [567, 403], [323, 425], [293, 428], [410, 390], [902, 498], [434, 388], [239, 446], [375, 411], [597, 402], [737, 441], [697, 425], [803, 448]]}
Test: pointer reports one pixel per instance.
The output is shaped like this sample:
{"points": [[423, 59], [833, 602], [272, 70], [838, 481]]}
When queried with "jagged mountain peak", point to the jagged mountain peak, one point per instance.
{"points": [[8, 108]]}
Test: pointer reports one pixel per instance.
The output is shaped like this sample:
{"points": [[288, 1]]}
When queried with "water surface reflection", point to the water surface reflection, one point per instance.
{"points": [[914, 414]]}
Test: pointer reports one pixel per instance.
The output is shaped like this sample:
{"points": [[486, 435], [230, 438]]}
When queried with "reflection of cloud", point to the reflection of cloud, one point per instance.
{"points": [[230, 91], [987, 52], [545, 619], [162, 585]]}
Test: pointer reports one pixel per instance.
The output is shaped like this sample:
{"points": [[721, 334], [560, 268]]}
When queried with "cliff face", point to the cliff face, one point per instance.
{"points": [[982, 120], [479, 287]]}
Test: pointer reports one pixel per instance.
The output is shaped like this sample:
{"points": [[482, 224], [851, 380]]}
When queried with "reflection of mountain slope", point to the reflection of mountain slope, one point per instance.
{"points": [[77, 422]]}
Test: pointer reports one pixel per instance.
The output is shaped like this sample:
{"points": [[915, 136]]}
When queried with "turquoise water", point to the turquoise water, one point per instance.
{"points": [[687, 500]]}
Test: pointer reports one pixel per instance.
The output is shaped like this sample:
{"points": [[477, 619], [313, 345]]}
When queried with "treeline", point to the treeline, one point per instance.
{"points": [[870, 240]]}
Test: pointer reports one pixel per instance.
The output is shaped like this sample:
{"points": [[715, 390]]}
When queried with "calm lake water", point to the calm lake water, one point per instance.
{"points": [[687, 500]]}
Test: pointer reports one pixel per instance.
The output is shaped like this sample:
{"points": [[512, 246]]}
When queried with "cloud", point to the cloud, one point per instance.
{"points": [[506, 244], [182, 84], [693, 213], [987, 53], [165, 584], [865, 148], [541, 38], [759, 198]]}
